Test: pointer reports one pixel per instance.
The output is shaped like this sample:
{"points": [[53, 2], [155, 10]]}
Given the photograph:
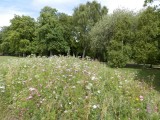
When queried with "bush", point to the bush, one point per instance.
{"points": [[117, 59]]}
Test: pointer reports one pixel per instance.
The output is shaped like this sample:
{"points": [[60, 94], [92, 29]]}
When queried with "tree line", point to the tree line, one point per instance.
{"points": [[116, 38]]}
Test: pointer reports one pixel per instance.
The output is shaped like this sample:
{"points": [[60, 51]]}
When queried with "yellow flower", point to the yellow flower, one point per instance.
{"points": [[137, 99]]}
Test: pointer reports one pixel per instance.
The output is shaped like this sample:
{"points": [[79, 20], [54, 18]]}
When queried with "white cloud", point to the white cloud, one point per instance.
{"points": [[6, 14], [51, 2], [68, 5], [65, 6], [128, 4]]}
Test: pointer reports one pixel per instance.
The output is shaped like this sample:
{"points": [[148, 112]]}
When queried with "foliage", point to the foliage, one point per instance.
{"points": [[118, 38], [21, 28], [113, 36], [49, 33], [4, 42], [146, 44], [66, 23], [101, 34], [84, 18], [148, 2]]}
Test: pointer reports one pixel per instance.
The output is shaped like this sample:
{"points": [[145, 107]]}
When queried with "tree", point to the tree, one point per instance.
{"points": [[21, 28], [146, 2], [65, 22], [101, 34], [84, 18], [112, 37], [4, 42], [14, 39], [49, 34], [24, 45], [146, 43]]}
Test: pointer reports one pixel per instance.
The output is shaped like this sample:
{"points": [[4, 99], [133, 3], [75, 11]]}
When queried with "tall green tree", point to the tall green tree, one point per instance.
{"points": [[146, 43], [84, 18], [4, 41], [112, 37], [101, 35], [65, 22], [49, 33], [21, 29]]}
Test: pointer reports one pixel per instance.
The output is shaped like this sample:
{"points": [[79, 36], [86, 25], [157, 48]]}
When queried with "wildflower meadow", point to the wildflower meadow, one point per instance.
{"points": [[68, 88]]}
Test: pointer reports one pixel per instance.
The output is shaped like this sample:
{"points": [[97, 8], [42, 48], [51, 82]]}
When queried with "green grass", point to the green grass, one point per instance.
{"points": [[5, 58], [68, 88]]}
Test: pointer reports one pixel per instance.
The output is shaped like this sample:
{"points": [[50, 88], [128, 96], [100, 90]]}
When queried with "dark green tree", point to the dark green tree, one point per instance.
{"points": [[84, 18], [21, 28], [65, 22], [49, 33], [146, 42], [4, 41]]}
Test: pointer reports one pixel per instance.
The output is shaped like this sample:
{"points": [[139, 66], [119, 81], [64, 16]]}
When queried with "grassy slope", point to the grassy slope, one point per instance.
{"points": [[69, 88], [5, 58]]}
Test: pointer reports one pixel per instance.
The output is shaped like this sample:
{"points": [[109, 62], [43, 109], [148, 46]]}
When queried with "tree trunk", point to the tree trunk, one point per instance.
{"points": [[68, 53], [77, 54], [24, 54], [51, 53], [84, 52]]}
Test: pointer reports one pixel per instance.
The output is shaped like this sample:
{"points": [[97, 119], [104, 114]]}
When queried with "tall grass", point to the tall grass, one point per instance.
{"points": [[6, 58], [68, 88]]}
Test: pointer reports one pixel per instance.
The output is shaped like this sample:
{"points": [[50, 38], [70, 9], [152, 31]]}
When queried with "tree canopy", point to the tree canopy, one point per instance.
{"points": [[84, 18], [117, 38]]}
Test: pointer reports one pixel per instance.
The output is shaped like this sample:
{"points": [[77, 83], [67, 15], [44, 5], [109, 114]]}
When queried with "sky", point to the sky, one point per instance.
{"points": [[8, 8]]}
